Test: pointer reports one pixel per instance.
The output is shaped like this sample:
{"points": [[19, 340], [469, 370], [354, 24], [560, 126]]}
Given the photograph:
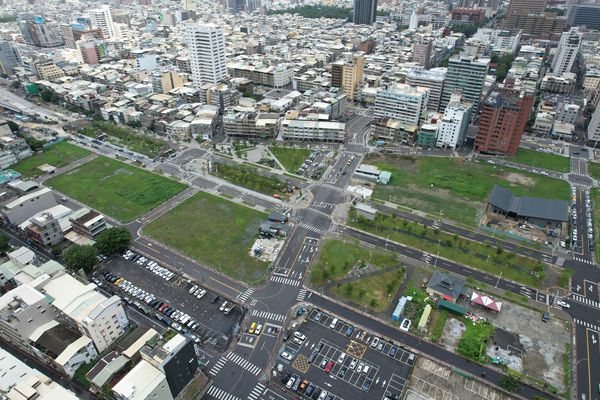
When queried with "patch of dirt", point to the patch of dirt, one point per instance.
{"points": [[519, 179], [120, 171], [453, 331]]}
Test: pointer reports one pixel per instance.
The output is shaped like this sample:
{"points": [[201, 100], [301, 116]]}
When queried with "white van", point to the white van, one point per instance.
{"points": [[333, 323]]}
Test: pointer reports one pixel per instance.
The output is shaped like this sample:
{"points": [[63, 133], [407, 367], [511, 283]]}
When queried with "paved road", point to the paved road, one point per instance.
{"points": [[18, 104]]}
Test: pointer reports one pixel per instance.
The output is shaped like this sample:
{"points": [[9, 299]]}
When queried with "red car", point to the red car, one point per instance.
{"points": [[163, 307], [329, 366]]}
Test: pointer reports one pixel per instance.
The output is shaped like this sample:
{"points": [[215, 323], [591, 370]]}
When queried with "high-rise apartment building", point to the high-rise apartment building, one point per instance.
{"points": [[206, 49], [593, 132], [365, 12], [466, 75], [584, 13], [102, 19], [522, 7], [39, 32], [9, 57], [422, 53], [566, 53], [503, 118], [348, 75], [402, 102], [433, 79], [453, 126]]}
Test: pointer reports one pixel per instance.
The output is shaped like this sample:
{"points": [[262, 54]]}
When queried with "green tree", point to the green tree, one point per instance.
{"points": [[4, 243], [35, 144], [362, 293], [509, 383], [374, 303], [80, 257], [349, 288], [14, 127], [15, 84], [113, 240]]}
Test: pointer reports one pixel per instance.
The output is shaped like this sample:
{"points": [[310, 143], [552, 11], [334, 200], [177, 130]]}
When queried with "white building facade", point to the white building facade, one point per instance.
{"points": [[567, 50], [206, 49], [402, 102]]}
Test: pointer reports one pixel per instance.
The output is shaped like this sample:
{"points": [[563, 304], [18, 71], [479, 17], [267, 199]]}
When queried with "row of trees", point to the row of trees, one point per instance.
{"points": [[110, 241]]}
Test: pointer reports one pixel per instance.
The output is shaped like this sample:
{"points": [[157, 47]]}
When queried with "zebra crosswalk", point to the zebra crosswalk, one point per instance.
{"points": [[218, 365], [301, 294], [581, 299], [436, 225], [331, 186], [312, 228], [285, 281], [319, 212], [242, 362], [244, 296], [268, 315], [257, 391], [587, 324], [583, 260], [220, 394], [426, 257]]}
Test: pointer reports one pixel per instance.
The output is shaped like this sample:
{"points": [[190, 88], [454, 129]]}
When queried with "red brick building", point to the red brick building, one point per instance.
{"points": [[503, 118], [465, 15]]}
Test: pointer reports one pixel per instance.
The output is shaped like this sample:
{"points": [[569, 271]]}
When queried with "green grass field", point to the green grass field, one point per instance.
{"points": [[337, 257], [540, 159], [119, 190], [594, 169], [213, 231], [472, 344], [289, 157], [58, 156], [374, 292], [250, 178], [478, 255], [455, 187]]}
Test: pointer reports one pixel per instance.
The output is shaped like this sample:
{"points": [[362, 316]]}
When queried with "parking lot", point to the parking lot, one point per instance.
{"points": [[326, 354], [214, 327]]}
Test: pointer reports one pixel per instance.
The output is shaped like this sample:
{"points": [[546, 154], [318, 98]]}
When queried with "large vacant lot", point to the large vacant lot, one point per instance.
{"points": [[455, 187], [119, 190], [540, 159], [213, 231], [58, 156]]}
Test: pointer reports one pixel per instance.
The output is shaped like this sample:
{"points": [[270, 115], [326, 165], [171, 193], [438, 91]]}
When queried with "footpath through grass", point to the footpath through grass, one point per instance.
{"points": [[250, 178], [119, 190], [289, 157], [123, 136], [374, 292], [338, 257], [213, 231], [481, 256], [455, 187], [543, 160], [58, 156]]}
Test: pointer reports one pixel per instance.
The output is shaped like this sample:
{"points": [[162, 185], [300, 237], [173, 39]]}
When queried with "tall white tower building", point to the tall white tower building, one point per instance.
{"points": [[414, 20], [206, 49], [565, 56], [102, 19]]}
